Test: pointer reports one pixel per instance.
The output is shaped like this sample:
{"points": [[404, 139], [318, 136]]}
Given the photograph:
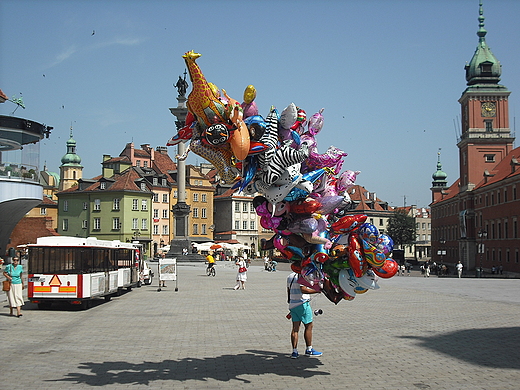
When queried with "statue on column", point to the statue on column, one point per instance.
{"points": [[182, 85]]}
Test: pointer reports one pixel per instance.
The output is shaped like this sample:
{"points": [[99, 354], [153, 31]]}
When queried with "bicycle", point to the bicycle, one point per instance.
{"points": [[270, 266], [210, 271]]}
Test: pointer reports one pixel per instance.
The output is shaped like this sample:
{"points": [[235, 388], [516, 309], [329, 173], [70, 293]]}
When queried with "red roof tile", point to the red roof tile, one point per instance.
{"points": [[502, 170]]}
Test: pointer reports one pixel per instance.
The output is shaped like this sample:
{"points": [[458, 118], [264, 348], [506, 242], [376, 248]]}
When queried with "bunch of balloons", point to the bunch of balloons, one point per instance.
{"points": [[304, 198]]}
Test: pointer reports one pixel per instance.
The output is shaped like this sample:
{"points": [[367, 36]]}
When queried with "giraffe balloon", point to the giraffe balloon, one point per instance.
{"points": [[202, 101]]}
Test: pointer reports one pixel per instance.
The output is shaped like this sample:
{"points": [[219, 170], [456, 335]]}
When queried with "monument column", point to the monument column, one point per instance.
{"points": [[181, 209]]}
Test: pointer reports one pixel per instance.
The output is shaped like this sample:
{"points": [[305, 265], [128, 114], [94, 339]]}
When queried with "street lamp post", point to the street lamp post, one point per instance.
{"points": [[441, 252], [481, 234]]}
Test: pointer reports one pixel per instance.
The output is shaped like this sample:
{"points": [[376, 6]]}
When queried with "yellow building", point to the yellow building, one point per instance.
{"points": [[199, 196]]}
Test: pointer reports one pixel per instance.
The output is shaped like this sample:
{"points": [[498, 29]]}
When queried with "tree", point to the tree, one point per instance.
{"points": [[401, 227]]}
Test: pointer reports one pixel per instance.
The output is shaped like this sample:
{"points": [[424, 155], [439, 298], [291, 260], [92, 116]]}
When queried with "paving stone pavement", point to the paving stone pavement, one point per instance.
{"points": [[412, 333]]}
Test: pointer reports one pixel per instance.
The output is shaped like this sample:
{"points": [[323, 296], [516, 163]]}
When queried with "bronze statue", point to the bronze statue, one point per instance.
{"points": [[182, 85]]}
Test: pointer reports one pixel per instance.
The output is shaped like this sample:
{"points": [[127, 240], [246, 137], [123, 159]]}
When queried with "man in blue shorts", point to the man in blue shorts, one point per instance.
{"points": [[300, 311]]}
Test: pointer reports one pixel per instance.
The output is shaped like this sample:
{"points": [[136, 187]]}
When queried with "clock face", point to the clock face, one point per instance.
{"points": [[489, 109]]}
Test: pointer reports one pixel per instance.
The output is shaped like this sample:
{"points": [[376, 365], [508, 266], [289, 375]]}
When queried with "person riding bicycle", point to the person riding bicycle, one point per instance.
{"points": [[211, 260]]}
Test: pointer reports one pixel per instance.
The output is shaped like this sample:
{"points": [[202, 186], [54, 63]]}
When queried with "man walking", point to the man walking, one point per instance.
{"points": [[300, 311], [459, 268]]}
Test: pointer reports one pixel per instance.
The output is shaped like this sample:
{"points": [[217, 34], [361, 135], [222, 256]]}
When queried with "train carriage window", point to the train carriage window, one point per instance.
{"points": [[50, 258], [85, 263], [35, 260], [124, 258], [67, 265], [99, 264], [112, 265]]}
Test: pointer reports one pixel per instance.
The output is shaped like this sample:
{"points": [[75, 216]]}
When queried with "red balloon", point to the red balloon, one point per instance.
{"points": [[296, 267], [306, 206], [348, 223], [388, 269], [355, 256]]}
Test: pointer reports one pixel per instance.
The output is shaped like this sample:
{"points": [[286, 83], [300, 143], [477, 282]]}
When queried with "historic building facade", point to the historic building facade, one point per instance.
{"points": [[109, 208], [475, 219], [236, 220], [199, 195]]}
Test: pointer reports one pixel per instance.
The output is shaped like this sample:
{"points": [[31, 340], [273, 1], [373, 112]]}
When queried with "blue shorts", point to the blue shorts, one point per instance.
{"points": [[302, 313]]}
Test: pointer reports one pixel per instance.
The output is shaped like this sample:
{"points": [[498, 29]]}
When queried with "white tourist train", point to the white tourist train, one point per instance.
{"points": [[77, 270]]}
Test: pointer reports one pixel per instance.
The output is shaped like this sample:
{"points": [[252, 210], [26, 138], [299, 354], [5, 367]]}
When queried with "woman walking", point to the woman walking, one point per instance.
{"points": [[13, 272], [242, 274]]}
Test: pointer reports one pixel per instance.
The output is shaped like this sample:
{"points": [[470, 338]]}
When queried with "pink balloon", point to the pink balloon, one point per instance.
{"points": [[316, 122]]}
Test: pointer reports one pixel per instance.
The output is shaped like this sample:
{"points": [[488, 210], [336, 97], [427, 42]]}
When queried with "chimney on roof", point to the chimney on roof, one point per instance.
{"points": [[162, 149], [149, 150], [486, 175], [48, 223]]}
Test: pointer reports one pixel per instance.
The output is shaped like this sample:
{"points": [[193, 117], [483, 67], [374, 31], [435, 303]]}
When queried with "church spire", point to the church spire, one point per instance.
{"points": [[439, 177], [70, 169], [481, 30], [71, 158], [483, 68]]}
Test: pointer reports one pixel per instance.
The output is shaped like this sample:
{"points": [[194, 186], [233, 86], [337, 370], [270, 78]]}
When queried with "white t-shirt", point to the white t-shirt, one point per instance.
{"points": [[296, 297]]}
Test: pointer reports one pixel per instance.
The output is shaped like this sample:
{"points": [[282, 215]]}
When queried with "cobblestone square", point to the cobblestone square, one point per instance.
{"points": [[412, 333]]}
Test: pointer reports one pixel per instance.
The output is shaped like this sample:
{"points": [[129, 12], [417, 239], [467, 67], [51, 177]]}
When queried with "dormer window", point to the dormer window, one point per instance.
{"points": [[155, 181], [143, 186], [486, 67], [164, 182], [103, 185]]}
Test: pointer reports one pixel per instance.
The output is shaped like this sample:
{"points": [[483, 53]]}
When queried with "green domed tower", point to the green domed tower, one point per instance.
{"points": [[70, 169], [439, 182], [486, 135], [484, 68]]}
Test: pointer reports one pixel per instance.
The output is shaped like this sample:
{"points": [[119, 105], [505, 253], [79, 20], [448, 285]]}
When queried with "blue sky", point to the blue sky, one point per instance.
{"points": [[388, 73]]}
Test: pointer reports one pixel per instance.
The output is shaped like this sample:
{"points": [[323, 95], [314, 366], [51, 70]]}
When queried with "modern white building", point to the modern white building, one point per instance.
{"points": [[20, 189]]}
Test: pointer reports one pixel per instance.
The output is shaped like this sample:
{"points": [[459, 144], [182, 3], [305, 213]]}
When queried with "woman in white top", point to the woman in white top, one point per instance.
{"points": [[241, 274]]}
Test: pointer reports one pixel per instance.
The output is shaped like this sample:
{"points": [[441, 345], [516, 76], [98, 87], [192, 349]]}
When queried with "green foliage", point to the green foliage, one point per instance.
{"points": [[401, 228]]}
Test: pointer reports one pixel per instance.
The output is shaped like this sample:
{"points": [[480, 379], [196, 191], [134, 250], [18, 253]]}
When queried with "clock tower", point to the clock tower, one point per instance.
{"points": [[486, 137]]}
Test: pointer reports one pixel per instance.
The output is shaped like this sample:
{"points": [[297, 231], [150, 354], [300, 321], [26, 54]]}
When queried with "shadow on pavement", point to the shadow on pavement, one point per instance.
{"points": [[222, 368], [493, 347]]}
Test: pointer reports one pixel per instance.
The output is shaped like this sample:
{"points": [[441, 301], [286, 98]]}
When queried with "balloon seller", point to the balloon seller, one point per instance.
{"points": [[300, 194]]}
